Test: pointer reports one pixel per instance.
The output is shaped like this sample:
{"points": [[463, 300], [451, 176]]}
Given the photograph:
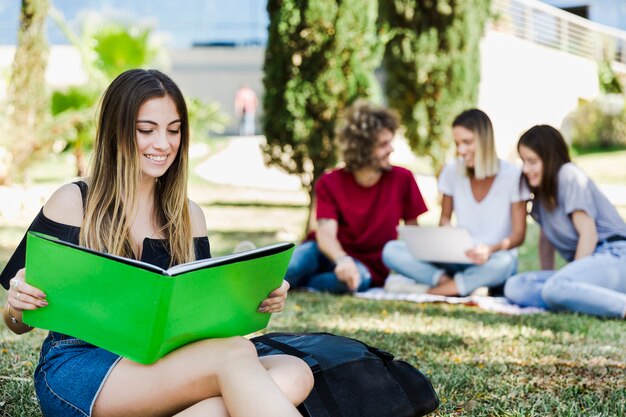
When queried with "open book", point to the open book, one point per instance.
{"points": [[141, 311]]}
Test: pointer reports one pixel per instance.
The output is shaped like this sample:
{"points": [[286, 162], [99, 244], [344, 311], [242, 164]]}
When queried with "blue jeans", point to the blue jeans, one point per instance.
{"points": [[246, 124], [70, 375], [467, 277], [309, 267], [593, 285]]}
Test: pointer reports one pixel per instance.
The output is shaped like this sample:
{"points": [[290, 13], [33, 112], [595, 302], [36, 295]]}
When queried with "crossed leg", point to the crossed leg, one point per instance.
{"points": [[221, 377]]}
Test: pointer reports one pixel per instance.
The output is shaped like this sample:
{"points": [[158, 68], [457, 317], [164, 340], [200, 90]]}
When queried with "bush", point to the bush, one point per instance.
{"points": [[609, 83], [599, 124]]}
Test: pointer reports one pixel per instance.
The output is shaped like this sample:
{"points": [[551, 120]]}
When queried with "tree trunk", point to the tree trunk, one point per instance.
{"points": [[26, 93]]}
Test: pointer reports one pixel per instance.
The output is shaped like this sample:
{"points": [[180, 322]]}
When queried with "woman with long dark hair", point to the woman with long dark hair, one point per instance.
{"points": [[577, 220]]}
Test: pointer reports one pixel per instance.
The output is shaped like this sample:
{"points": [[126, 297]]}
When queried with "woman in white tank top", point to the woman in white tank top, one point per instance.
{"points": [[488, 199]]}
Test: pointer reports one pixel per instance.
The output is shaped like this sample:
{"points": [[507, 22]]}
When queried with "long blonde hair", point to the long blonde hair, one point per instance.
{"points": [[115, 171], [486, 162]]}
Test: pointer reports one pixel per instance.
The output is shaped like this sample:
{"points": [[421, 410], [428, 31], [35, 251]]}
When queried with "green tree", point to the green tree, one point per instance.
{"points": [[320, 57], [432, 66], [73, 110], [26, 92]]}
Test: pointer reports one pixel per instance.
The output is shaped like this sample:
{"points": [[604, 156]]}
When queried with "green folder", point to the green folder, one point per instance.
{"points": [[141, 311]]}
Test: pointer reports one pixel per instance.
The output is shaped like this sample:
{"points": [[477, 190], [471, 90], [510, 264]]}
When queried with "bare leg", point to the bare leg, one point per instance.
{"points": [[444, 279], [292, 376], [228, 368], [213, 407]]}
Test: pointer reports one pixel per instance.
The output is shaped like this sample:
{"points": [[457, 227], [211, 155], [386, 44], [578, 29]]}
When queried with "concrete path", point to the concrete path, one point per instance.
{"points": [[241, 164]]}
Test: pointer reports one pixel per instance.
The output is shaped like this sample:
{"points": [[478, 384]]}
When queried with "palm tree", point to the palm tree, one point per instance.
{"points": [[107, 48]]}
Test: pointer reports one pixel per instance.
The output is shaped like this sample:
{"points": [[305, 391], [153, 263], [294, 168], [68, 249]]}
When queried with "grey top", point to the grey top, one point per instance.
{"points": [[576, 191]]}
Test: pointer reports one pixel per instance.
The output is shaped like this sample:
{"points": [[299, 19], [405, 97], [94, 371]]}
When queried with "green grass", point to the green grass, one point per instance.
{"points": [[481, 363], [596, 165]]}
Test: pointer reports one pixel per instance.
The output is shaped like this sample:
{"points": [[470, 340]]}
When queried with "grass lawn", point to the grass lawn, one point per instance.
{"points": [[481, 363], [596, 163]]}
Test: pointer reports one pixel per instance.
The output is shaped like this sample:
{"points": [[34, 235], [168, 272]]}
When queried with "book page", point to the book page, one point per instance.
{"points": [[228, 259]]}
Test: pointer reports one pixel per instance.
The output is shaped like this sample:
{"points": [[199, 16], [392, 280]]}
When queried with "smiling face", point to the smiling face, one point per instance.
{"points": [[382, 150], [158, 136], [465, 145], [533, 166]]}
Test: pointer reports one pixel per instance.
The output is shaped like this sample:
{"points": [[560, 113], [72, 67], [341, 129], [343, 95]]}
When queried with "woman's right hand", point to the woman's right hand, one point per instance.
{"points": [[23, 296], [479, 254]]}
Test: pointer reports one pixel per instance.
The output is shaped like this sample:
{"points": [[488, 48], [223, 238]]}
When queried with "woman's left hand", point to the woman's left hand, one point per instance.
{"points": [[275, 302], [479, 253]]}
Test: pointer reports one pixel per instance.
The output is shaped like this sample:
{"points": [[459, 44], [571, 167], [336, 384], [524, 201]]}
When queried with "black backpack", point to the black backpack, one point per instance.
{"points": [[353, 379]]}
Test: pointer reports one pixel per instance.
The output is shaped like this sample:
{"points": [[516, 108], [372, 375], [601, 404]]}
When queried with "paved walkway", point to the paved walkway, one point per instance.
{"points": [[241, 164]]}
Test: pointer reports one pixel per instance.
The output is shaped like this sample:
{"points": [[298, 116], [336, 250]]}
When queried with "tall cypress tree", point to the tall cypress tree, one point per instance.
{"points": [[26, 92], [432, 63], [320, 57]]}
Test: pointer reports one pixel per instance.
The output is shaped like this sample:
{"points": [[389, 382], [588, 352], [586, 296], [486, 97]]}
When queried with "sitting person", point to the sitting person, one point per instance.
{"points": [[489, 201], [134, 204], [578, 220], [359, 208]]}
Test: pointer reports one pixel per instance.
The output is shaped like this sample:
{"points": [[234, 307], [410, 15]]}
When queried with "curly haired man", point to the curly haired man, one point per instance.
{"points": [[359, 207]]}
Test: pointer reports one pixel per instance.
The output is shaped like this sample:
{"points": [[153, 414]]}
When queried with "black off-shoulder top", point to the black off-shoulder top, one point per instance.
{"points": [[154, 250]]}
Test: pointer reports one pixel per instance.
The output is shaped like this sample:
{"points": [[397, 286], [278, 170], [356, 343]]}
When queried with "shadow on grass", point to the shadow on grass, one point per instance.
{"points": [[486, 389], [509, 372], [556, 322]]}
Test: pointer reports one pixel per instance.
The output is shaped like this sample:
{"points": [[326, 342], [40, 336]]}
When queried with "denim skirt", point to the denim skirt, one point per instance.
{"points": [[70, 374]]}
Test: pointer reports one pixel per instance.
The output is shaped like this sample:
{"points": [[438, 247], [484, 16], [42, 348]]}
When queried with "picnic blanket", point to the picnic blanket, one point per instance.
{"points": [[495, 304]]}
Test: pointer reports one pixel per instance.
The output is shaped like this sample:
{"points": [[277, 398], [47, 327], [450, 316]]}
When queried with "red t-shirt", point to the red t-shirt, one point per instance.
{"points": [[368, 216]]}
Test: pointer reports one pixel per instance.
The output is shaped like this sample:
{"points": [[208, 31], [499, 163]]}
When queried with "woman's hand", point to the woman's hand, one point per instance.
{"points": [[479, 253], [21, 296], [275, 302]]}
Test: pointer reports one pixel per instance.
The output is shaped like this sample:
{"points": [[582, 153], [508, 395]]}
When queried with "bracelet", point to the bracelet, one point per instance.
{"points": [[341, 258], [11, 316], [14, 320]]}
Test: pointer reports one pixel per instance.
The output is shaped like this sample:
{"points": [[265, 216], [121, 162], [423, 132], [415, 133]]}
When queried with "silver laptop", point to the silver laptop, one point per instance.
{"points": [[437, 244]]}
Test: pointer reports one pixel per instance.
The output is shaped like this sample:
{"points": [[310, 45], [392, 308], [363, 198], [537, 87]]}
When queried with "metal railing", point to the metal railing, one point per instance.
{"points": [[547, 25]]}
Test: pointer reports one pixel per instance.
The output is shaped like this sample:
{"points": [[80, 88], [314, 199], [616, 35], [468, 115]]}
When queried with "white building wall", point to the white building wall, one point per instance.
{"points": [[215, 74], [523, 84]]}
